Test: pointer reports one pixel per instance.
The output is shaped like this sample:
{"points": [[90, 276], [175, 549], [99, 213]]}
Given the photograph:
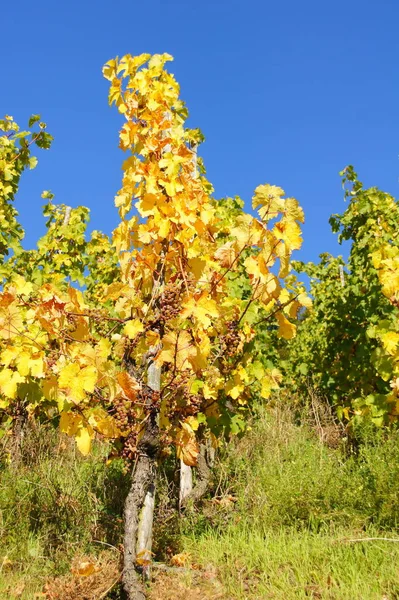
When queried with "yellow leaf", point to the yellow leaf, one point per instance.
{"points": [[390, 341], [177, 348], [157, 61], [84, 569], [22, 287], [293, 210], [9, 381], [180, 560], [152, 338], [285, 329], [50, 388], [77, 381], [107, 427], [109, 70], [83, 440], [269, 197], [132, 328], [28, 364], [305, 300], [248, 231], [270, 382], [289, 232], [11, 321], [186, 445], [201, 310], [144, 558], [236, 385], [70, 422], [193, 422]]}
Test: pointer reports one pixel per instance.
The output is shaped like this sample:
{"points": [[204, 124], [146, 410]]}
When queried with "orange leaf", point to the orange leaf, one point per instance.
{"points": [[129, 384]]}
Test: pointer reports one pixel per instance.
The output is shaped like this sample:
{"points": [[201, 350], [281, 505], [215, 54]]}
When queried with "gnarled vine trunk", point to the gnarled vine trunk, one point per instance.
{"points": [[139, 504]]}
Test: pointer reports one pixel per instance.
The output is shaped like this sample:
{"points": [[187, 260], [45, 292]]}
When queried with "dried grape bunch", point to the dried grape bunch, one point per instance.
{"points": [[170, 302], [230, 341]]}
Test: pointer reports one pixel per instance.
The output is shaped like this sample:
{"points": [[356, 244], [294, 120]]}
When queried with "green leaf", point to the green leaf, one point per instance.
{"points": [[33, 119], [33, 162]]}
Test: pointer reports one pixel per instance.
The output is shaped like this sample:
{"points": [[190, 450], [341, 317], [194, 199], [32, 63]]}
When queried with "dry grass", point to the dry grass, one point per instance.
{"points": [[105, 573], [187, 585]]}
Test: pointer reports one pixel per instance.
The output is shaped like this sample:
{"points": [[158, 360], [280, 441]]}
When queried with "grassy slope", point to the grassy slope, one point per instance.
{"points": [[297, 504], [284, 508]]}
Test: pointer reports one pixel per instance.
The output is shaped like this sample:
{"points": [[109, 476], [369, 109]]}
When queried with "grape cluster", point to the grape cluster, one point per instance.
{"points": [[170, 302], [129, 449], [125, 418], [123, 413], [230, 340], [182, 402]]}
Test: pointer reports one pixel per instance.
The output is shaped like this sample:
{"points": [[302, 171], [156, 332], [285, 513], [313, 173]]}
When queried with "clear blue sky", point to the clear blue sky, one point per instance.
{"points": [[286, 92]]}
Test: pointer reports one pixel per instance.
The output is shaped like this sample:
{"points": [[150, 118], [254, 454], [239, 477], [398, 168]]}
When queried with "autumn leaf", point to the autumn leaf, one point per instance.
{"points": [[201, 309], [84, 568], [180, 560], [144, 558], [285, 329], [129, 385], [177, 348], [132, 328], [187, 448], [9, 381], [77, 381], [83, 440], [11, 321], [226, 255]]}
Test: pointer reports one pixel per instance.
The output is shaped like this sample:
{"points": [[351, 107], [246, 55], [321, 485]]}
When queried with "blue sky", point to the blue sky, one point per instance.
{"points": [[286, 93]]}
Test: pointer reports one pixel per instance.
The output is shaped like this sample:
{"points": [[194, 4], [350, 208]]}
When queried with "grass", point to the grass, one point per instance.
{"points": [[290, 564], [288, 506], [54, 505], [277, 524]]}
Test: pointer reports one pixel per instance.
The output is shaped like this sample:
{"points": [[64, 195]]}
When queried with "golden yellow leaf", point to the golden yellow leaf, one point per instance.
{"points": [[201, 310], [305, 300], [11, 321], [289, 232], [50, 388], [30, 364], [70, 422], [9, 381], [285, 329], [83, 440], [177, 348], [132, 328], [269, 197], [293, 210], [187, 448], [84, 568], [144, 558], [22, 287], [180, 560], [390, 341], [77, 381], [107, 427]]}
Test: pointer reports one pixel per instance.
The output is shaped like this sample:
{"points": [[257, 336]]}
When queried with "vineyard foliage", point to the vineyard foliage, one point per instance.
{"points": [[183, 283], [347, 346]]}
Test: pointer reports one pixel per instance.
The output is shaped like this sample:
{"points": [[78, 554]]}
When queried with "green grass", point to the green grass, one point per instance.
{"points": [[277, 524], [297, 503], [55, 504], [287, 564]]}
